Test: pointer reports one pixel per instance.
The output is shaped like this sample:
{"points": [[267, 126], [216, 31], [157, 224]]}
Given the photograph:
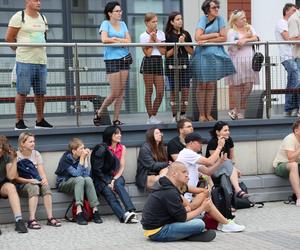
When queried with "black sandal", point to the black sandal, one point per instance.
{"points": [[242, 194], [33, 224], [97, 119], [118, 123], [53, 222]]}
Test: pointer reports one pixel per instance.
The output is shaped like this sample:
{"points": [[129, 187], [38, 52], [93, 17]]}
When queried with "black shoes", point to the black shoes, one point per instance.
{"points": [[20, 125], [43, 124], [21, 227], [96, 217], [205, 236], [80, 219]]}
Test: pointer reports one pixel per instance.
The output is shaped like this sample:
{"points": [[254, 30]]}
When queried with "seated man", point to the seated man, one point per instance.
{"points": [[197, 163], [164, 216], [286, 162], [8, 171]]}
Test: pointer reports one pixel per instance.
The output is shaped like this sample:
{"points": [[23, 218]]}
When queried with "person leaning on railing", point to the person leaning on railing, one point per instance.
{"points": [[117, 60], [209, 63], [241, 54], [175, 33], [152, 66]]}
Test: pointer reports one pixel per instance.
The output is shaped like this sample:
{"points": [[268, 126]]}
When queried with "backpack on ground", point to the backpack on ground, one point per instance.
{"points": [[86, 209], [221, 195]]}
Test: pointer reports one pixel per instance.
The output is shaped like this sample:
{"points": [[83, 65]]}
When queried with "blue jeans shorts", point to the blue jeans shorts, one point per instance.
{"points": [[31, 75]]}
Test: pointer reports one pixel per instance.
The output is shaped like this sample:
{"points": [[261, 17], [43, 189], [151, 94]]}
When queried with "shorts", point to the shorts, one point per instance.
{"points": [[184, 78], [28, 75], [152, 65], [282, 170], [116, 65], [32, 190]]}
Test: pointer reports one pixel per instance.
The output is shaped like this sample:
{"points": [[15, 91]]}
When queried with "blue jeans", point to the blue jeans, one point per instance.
{"points": [[28, 75], [112, 199], [179, 230], [292, 101]]}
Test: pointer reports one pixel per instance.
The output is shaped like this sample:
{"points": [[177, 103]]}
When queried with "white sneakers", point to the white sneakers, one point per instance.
{"points": [[130, 217], [153, 120], [230, 227]]}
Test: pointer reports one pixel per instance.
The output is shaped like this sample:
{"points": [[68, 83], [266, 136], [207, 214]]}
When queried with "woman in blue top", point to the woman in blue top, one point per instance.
{"points": [[210, 63], [117, 59]]}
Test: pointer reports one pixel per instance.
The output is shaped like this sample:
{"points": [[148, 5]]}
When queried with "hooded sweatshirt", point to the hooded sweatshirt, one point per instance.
{"points": [[163, 206]]}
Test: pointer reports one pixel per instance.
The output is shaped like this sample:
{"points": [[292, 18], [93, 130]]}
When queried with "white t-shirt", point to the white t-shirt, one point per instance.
{"points": [[189, 158], [145, 38], [31, 31], [294, 30], [290, 143], [35, 157], [285, 50]]}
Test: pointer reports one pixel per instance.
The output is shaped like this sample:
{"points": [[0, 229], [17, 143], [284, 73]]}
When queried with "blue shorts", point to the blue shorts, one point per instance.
{"points": [[31, 75]]}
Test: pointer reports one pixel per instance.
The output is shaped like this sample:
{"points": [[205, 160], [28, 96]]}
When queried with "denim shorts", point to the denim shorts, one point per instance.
{"points": [[31, 75], [116, 65]]}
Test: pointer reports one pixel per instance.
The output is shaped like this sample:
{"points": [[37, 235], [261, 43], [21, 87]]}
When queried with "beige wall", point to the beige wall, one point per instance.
{"points": [[251, 158]]}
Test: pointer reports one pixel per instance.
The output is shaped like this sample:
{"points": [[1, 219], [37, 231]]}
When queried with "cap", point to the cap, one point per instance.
{"points": [[193, 137]]}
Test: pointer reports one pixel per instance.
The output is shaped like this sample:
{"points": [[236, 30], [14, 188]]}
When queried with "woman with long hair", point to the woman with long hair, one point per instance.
{"points": [[152, 66], [221, 130], [176, 33], [152, 160], [36, 185], [108, 165], [209, 63], [114, 30], [242, 81]]}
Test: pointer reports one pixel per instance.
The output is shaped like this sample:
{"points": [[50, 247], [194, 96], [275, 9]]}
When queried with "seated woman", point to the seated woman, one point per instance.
{"points": [[108, 165], [33, 187], [73, 176], [8, 172], [221, 129], [152, 161]]}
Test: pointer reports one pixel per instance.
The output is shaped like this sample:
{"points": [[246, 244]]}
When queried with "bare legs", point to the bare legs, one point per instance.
{"points": [[205, 97], [39, 102], [158, 82], [9, 190], [294, 177], [117, 83]]}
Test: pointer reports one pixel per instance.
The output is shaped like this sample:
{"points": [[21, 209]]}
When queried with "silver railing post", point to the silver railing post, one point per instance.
{"points": [[268, 80], [176, 81], [77, 85]]}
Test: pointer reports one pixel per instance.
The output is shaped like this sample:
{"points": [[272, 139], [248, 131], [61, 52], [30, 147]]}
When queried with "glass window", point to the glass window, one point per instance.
{"points": [[85, 33], [91, 5], [143, 6], [86, 19]]}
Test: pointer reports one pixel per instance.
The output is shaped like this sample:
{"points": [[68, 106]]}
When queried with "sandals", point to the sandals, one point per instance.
{"points": [[210, 118], [242, 194], [33, 224], [97, 119], [202, 118], [53, 222], [118, 123]]}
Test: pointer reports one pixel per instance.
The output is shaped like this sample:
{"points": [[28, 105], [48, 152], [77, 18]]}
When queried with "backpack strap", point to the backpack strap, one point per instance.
{"points": [[23, 16], [43, 17]]}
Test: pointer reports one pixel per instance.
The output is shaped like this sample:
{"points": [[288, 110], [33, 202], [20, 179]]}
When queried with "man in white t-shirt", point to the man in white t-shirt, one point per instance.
{"points": [[29, 26], [286, 58], [287, 160]]}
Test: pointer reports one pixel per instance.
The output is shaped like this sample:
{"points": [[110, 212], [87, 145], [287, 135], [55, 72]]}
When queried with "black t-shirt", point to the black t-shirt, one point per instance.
{"points": [[174, 147], [213, 144]]}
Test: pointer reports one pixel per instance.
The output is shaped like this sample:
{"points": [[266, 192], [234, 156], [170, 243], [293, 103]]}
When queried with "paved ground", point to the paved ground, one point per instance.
{"points": [[276, 226]]}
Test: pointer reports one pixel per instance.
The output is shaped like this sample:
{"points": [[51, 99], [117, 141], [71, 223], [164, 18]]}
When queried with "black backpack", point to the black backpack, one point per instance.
{"points": [[221, 195]]}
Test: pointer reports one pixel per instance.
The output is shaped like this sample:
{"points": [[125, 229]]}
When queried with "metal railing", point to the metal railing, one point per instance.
{"points": [[74, 69]]}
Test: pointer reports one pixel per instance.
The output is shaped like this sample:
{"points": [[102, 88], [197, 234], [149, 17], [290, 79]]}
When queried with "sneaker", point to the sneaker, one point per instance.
{"points": [[173, 119], [230, 227], [232, 114], [43, 124], [134, 219], [128, 216], [20, 125], [298, 202], [183, 116], [154, 120], [20, 227], [294, 112], [80, 219], [96, 217], [205, 236]]}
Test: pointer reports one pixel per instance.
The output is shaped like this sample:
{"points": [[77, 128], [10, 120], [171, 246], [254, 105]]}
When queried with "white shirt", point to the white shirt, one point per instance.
{"points": [[189, 158], [294, 30], [145, 38], [285, 50]]}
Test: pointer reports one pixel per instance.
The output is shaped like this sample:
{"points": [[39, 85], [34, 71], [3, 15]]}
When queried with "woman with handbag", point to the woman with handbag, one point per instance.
{"points": [[117, 60], [37, 184], [241, 83], [209, 63], [152, 66]]}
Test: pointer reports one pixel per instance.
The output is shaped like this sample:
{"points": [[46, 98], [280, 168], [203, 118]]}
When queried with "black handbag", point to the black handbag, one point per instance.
{"points": [[128, 58], [257, 60]]}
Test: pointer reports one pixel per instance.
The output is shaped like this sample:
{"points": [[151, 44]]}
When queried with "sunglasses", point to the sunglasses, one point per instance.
{"points": [[215, 7]]}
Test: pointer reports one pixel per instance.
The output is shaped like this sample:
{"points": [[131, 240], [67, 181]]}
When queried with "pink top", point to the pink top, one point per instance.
{"points": [[118, 151]]}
